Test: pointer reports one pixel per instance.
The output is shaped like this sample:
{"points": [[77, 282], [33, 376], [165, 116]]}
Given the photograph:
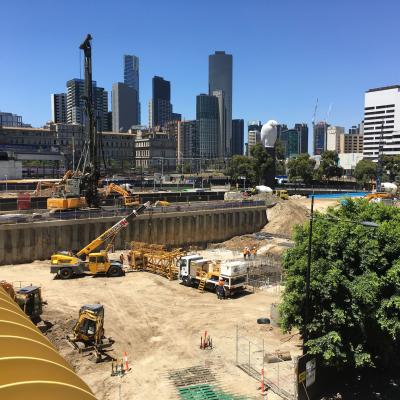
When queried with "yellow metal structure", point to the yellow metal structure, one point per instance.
{"points": [[30, 367], [155, 258], [378, 195], [129, 200], [67, 203]]}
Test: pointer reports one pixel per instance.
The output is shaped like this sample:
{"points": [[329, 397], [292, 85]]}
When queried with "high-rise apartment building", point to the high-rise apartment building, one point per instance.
{"points": [[59, 107], [187, 141], [320, 132], [237, 136], [207, 118], [76, 104], [333, 135], [220, 79], [160, 107], [382, 118], [131, 78], [124, 107], [302, 128]]}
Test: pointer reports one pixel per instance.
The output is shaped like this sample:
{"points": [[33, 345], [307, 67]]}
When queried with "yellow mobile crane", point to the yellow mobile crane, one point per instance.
{"points": [[65, 264]]}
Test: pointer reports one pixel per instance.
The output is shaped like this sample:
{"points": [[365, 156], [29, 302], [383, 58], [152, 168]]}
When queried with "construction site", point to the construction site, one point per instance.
{"points": [[171, 334], [150, 296]]}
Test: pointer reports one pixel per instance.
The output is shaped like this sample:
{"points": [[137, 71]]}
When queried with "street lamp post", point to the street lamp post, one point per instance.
{"points": [[368, 224]]}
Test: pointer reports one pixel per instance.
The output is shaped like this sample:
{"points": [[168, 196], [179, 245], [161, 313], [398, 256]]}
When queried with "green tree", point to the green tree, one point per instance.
{"points": [[365, 171], [301, 167], [391, 167], [355, 286], [329, 166], [280, 166], [242, 166], [262, 162]]}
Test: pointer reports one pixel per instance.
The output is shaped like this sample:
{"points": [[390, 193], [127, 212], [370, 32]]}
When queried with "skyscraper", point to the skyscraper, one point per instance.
{"points": [[76, 104], [187, 141], [160, 107], [207, 124], [381, 117], [237, 136], [219, 94], [220, 79], [131, 78], [124, 107], [302, 128], [59, 107], [320, 130]]}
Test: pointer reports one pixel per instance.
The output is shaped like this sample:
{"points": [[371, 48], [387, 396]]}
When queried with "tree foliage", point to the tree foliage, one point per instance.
{"points": [[262, 161], [391, 167], [301, 167], [329, 166], [355, 286], [242, 166], [365, 171]]}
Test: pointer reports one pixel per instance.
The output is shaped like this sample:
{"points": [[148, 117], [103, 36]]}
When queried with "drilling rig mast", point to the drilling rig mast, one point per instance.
{"points": [[91, 168]]}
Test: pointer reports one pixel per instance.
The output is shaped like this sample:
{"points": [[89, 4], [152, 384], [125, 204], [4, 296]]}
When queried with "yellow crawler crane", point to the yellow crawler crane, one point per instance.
{"points": [[155, 258]]}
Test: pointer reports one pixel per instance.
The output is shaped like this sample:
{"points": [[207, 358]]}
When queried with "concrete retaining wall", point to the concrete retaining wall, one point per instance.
{"points": [[26, 242]]}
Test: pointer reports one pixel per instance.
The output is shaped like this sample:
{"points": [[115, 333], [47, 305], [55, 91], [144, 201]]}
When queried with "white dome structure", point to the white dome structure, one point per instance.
{"points": [[269, 133]]}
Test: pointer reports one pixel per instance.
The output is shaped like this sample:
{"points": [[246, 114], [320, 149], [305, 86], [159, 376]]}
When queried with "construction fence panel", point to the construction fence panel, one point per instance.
{"points": [[279, 370]]}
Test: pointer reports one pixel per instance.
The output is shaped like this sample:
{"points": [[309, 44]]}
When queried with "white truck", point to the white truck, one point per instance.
{"points": [[194, 269]]}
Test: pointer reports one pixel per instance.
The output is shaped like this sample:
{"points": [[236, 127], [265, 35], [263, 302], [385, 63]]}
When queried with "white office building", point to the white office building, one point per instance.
{"points": [[333, 134], [382, 117]]}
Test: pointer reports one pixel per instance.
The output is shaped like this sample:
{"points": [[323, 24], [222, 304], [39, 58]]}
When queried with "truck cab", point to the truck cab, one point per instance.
{"points": [[185, 264], [100, 264]]}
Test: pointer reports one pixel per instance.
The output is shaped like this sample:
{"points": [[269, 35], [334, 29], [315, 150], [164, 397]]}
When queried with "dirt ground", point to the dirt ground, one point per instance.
{"points": [[158, 324]]}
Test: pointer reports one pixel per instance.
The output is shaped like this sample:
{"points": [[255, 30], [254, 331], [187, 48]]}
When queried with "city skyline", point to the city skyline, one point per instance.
{"points": [[284, 90]]}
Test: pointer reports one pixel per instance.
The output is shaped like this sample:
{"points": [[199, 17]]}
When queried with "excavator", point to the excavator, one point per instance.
{"points": [[65, 264], [88, 332], [129, 200], [29, 298]]}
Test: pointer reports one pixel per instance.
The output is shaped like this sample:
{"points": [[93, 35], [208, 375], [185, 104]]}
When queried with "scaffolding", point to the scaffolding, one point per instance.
{"points": [[155, 258]]}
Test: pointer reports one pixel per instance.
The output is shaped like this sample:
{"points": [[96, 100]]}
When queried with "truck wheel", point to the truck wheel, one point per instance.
{"points": [[66, 273], [114, 271]]}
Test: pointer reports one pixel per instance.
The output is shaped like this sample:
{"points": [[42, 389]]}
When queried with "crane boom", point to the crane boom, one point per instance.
{"points": [[110, 233]]}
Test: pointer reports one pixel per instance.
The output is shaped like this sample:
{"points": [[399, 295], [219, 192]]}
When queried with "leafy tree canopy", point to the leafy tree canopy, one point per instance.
{"points": [[329, 165], [301, 167], [355, 286], [242, 166], [261, 161], [391, 167], [365, 171]]}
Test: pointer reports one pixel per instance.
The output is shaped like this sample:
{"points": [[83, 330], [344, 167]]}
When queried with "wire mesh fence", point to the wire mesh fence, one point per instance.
{"points": [[275, 369]]}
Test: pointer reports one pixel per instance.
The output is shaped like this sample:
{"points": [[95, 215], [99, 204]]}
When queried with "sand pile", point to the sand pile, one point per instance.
{"points": [[284, 216]]}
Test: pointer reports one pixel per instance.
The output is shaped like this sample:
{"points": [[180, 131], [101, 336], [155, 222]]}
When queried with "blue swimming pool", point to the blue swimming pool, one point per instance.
{"points": [[339, 195]]}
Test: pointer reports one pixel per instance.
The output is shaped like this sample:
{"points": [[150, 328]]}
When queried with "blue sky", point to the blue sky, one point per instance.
{"points": [[286, 53]]}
